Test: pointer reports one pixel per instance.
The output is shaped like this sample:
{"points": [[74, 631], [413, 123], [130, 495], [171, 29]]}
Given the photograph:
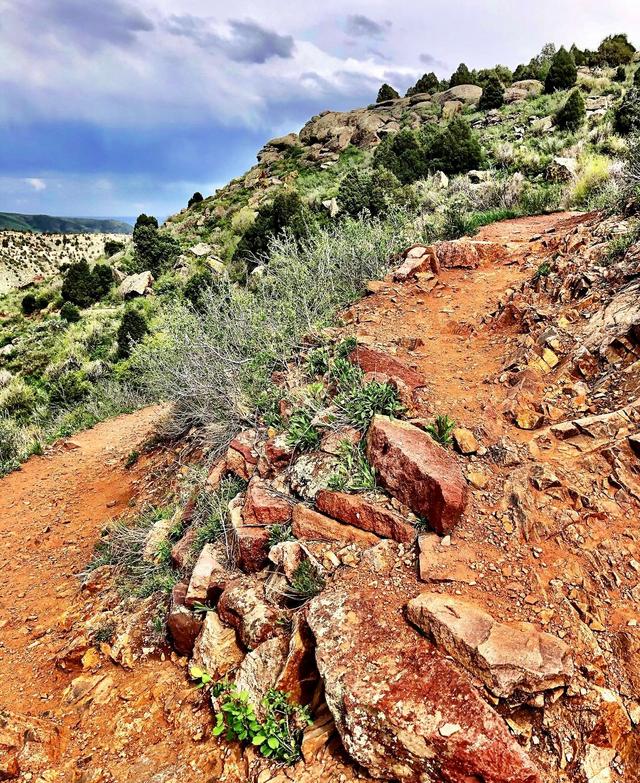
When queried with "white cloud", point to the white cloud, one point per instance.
{"points": [[36, 183]]}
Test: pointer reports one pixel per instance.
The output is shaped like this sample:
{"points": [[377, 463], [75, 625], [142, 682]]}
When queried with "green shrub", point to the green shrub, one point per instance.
{"points": [[593, 176], [306, 582], [562, 73], [616, 50], [360, 404], [441, 430], [278, 534], [83, 286], [212, 516], [573, 113], [70, 313], [197, 198], [29, 304], [196, 287], [317, 362], [636, 77], [354, 473], [17, 399], [11, 444], [492, 95], [102, 280], [301, 434], [620, 74], [387, 93], [154, 252], [70, 388], [362, 190], [131, 331], [111, 247], [455, 149], [627, 114]]}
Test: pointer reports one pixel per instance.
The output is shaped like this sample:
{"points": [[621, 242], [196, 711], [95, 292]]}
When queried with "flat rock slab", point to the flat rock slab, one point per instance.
{"points": [[403, 710], [418, 472], [365, 514], [374, 361], [510, 658]]}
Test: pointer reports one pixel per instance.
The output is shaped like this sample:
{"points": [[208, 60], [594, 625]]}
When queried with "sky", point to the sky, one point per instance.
{"points": [[112, 107]]}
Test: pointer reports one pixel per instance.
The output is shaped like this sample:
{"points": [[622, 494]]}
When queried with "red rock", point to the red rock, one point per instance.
{"points": [[312, 526], [182, 551], [458, 254], [216, 474], [418, 259], [299, 674], [182, 624], [374, 361], [278, 453], [236, 463], [208, 577], [243, 606], [332, 440], [403, 710], [363, 513], [253, 548], [263, 506], [244, 442], [417, 471]]}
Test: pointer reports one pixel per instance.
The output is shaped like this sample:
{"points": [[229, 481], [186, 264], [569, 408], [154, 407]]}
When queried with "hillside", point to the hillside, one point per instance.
{"points": [[12, 221]]}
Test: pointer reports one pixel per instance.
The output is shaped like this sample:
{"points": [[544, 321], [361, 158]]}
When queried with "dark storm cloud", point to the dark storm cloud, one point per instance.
{"points": [[360, 25], [90, 23], [248, 42]]}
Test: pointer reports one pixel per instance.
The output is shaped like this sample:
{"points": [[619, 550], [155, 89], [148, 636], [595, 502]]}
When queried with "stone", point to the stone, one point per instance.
{"points": [[263, 506], [289, 556], [258, 673], [514, 95], [28, 746], [216, 649], [457, 254], [310, 473], [333, 440], [201, 250], [366, 514], [278, 452], [468, 94], [244, 442], [562, 169], [316, 736], [313, 526], [533, 87], [418, 259], [373, 361], [510, 658], [464, 440], [418, 472], [451, 109], [182, 624], [395, 698], [136, 285], [438, 562], [207, 578], [243, 605], [299, 674]]}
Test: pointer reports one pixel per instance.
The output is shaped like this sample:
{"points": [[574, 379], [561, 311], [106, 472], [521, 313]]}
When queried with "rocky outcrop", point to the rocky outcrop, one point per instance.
{"points": [[468, 94], [136, 285], [401, 708], [510, 658], [243, 606], [366, 514], [417, 471]]}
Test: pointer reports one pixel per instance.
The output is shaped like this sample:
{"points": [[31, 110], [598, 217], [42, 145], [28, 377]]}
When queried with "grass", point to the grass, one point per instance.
{"points": [[354, 473], [212, 517], [441, 430]]}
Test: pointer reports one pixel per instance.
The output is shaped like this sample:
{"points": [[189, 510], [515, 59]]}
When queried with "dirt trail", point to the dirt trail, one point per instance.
{"points": [[138, 725]]}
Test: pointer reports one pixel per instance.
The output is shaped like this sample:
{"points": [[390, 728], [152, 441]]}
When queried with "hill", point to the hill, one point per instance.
{"points": [[13, 221]]}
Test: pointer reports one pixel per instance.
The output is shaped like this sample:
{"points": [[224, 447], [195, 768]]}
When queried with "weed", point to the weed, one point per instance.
{"points": [[318, 362], [211, 516], [344, 348], [354, 473], [302, 435], [132, 458], [544, 270], [344, 374], [441, 430], [104, 634], [360, 404], [280, 533], [306, 582], [199, 676]]}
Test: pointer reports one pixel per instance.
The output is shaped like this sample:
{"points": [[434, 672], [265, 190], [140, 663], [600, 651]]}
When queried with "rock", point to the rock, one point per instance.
{"points": [[182, 551], [156, 537], [310, 473], [373, 361], [465, 441], [533, 87], [243, 605], [201, 250], [182, 624], [289, 556], [457, 254], [263, 506], [299, 674], [208, 577], [418, 472], [468, 94], [28, 746], [259, 671], [284, 142], [216, 649], [312, 526], [514, 95], [510, 658], [394, 699], [439, 563], [562, 169], [136, 285], [278, 453], [333, 440], [317, 735], [634, 443], [245, 442], [366, 514], [418, 259], [451, 109]]}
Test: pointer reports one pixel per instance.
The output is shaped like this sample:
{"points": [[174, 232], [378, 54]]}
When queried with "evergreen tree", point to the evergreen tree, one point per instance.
{"points": [[462, 75], [386, 93], [103, 279], [492, 95], [627, 116], [428, 82], [371, 191], [78, 286], [562, 73], [579, 57], [154, 252], [616, 50], [144, 221], [455, 149], [636, 77], [403, 155], [620, 74], [29, 304], [132, 329], [69, 313], [197, 198], [573, 113]]}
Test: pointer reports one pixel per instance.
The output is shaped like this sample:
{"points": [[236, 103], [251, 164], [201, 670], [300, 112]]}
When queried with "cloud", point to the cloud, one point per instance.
{"points": [[430, 60], [86, 24], [362, 26], [36, 183], [244, 41]]}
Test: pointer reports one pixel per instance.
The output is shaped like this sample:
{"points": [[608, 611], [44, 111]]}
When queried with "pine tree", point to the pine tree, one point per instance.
{"points": [[573, 113], [616, 50], [562, 74], [133, 328], [197, 198], [428, 82], [78, 285], [462, 75], [627, 116], [387, 93], [492, 95]]}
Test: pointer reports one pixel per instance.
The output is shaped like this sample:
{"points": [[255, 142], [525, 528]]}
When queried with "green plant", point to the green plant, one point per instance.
{"points": [[627, 114], [29, 304], [364, 191], [211, 517], [354, 473], [620, 74], [422, 525], [132, 458], [195, 199], [301, 433], [70, 313], [278, 734], [199, 676], [462, 75], [111, 247], [572, 114], [345, 347], [305, 583], [428, 82], [345, 374], [387, 93], [562, 73], [441, 430], [279, 534], [83, 286], [492, 95], [616, 50], [544, 270], [104, 633], [361, 403], [317, 362], [132, 329]]}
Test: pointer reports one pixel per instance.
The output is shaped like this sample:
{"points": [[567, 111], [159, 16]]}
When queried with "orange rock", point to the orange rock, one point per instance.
{"points": [[359, 511], [312, 526]]}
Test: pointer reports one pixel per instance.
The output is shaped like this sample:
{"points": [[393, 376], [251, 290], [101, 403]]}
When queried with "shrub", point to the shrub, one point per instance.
{"points": [[17, 399], [428, 82], [111, 247], [620, 74], [359, 405], [154, 252], [103, 280], [627, 115], [11, 443], [132, 329], [197, 198], [306, 582], [441, 430], [572, 114], [462, 75], [212, 516], [69, 313], [636, 77], [562, 73], [387, 93], [455, 149], [29, 304], [70, 388], [616, 50], [301, 433], [196, 287], [361, 190], [146, 221], [593, 176], [79, 285], [278, 534], [492, 95]]}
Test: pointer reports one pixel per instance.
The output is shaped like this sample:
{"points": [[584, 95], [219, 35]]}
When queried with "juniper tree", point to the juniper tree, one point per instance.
{"points": [[562, 73]]}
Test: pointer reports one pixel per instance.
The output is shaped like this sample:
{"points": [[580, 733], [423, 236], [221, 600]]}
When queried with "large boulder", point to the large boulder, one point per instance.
{"points": [[136, 285], [468, 94], [417, 471], [532, 87], [510, 658], [244, 606], [402, 709]]}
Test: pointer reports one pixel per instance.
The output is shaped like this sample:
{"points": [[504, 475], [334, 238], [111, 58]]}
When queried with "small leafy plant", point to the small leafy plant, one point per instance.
{"points": [[360, 404], [278, 735], [354, 473], [317, 362], [280, 533], [346, 347], [302, 435], [345, 375], [544, 270], [199, 676], [441, 430], [132, 458], [305, 583]]}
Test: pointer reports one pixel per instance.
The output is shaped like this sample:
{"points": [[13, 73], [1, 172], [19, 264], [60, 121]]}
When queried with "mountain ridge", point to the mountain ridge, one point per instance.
{"points": [[50, 224]]}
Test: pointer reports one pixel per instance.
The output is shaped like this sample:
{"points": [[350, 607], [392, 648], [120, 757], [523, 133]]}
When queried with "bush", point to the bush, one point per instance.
{"points": [[154, 251], [132, 329], [29, 304], [146, 221], [79, 285], [636, 77], [616, 50], [361, 190], [196, 287], [11, 444], [455, 149], [492, 95], [573, 113], [620, 74], [562, 73], [17, 399], [197, 198], [428, 82], [387, 93], [301, 434], [103, 280], [462, 75], [70, 388], [593, 176], [69, 313], [111, 247], [627, 115], [359, 405]]}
